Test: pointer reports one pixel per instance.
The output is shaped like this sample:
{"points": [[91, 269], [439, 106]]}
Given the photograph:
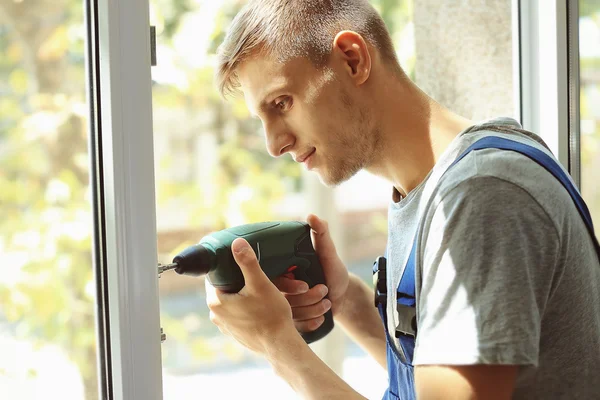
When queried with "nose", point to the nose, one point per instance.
{"points": [[279, 140]]}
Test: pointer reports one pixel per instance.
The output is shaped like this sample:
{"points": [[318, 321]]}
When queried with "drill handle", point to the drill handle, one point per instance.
{"points": [[309, 269]]}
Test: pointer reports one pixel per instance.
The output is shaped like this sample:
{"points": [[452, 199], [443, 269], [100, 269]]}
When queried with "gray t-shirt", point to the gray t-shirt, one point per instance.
{"points": [[506, 272]]}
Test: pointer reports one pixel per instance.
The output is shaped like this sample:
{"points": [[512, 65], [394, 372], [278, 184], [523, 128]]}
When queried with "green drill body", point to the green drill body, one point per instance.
{"points": [[281, 247]]}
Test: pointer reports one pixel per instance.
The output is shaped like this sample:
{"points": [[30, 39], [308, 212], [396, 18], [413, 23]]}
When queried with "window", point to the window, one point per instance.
{"points": [[47, 291], [589, 64], [213, 172]]}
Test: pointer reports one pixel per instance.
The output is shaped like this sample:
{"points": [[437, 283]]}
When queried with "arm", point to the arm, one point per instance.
{"points": [[350, 299], [487, 266], [295, 362], [360, 320], [490, 382], [260, 318], [306, 373]]}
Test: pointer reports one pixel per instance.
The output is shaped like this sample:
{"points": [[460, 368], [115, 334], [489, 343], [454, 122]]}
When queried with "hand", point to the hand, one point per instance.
{"points": [[308, 307], [258, 314]]}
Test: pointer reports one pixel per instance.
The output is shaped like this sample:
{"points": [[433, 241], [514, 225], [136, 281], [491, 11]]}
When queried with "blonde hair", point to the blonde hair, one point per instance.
{"points": [[287, 29]]}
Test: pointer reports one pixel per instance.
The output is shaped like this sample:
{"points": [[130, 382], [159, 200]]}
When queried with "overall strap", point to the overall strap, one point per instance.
{"points": [[406, 289], [549, 164]]}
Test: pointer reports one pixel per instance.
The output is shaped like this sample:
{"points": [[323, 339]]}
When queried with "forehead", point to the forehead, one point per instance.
{"points": [[261, 77]]}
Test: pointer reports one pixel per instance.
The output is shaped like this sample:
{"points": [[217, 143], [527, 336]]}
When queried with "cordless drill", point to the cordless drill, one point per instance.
{"points": [[281, 247]]}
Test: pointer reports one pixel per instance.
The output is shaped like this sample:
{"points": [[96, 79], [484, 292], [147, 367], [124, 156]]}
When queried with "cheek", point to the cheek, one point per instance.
{"points": [[308, 125], [323, 125]]}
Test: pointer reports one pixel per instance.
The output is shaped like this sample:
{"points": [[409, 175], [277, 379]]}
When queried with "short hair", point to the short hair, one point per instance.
{"points": [[287, 29]]}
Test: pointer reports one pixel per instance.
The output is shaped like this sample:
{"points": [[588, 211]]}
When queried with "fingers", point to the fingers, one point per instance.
{"points": [[290, 286], [310, 325], [318, 225], [254, 277], [308, 308], [313, 296], [321, 238], [311, 312]]}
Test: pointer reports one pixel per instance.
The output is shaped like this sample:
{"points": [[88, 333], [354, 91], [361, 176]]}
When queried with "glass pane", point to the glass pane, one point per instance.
{"points": [[589, 52], [47, 311], [213, 172]]}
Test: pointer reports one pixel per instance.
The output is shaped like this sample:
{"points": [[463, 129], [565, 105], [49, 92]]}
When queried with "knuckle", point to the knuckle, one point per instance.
{"points": [[303, 326], [308, 301], [297, 314], [212, 305], [299, 326], [300, 314], [316, 297], [307, 312], [315, 323], [290, 298], [213, 318], [279, 282]]}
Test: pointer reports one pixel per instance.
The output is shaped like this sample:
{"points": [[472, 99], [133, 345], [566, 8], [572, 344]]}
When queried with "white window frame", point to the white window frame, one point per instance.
{"points": [[129, 220], [544, 80], [128, 167], [574, 91]]}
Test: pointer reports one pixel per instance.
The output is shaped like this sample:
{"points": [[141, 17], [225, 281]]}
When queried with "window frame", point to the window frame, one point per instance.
{"points": [[549, 86], [120, 95], [574, 91]]}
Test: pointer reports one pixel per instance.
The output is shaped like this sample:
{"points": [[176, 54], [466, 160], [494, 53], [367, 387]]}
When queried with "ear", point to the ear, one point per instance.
{"points": [[352, 49]]}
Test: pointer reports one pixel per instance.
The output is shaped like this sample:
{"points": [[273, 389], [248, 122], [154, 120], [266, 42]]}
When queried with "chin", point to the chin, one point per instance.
{"points": [[331, 180], [327, 182], [333, 177]]}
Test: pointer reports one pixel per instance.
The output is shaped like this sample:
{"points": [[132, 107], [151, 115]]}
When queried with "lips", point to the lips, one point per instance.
{"points": [[303, 157]]}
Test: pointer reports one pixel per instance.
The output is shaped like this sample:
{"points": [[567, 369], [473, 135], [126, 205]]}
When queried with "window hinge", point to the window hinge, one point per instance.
{"points": [[153, 46]]}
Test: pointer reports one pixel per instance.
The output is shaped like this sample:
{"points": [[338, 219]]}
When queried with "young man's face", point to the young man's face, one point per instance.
{"points": [[315, 115]]}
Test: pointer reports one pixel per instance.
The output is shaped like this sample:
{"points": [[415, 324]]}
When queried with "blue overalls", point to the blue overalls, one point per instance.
{"points": [[400, 372]]}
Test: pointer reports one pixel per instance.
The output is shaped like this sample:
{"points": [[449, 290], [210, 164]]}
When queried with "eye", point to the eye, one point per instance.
{"points": [[283, 103]]}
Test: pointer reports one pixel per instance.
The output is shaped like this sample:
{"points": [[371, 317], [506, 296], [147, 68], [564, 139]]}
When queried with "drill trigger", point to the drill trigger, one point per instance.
{"points": [[293, 267], [289, 275], [300, 273]]}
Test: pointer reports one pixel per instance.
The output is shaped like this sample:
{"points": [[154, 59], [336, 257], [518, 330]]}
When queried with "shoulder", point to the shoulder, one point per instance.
{"points": [[503, 179], [511, 165], [489, 205], [499, 187]]}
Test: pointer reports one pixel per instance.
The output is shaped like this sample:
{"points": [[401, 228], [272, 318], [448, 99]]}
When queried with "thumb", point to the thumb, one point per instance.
{"points": [[321, 238], [245, 257]]}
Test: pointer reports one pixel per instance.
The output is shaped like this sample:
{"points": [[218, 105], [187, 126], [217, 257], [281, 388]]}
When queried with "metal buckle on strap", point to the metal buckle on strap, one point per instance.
{"points": [[379, 281], [407, 321]]}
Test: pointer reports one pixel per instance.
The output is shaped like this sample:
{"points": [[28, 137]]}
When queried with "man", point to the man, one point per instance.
{"points": [[507, 277]]}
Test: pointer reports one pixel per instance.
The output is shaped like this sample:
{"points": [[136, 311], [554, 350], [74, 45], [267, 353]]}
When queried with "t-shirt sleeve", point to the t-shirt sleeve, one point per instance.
{"points": [[488, 258]]}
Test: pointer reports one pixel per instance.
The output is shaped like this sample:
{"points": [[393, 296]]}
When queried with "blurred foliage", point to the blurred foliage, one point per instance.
{"points": [[589, 8], [590, 116], [45, 229], [242, 162]]}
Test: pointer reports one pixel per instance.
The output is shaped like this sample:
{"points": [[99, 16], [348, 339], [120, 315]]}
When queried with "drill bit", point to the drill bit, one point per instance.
{"points": [[166, 267]]}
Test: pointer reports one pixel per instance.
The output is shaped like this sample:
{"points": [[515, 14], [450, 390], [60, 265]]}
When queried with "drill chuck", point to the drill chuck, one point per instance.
{"points": [[195, 260]]}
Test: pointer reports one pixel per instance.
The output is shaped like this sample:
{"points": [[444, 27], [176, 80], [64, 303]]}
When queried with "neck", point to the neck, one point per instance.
{"points": [[415, 131]]}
